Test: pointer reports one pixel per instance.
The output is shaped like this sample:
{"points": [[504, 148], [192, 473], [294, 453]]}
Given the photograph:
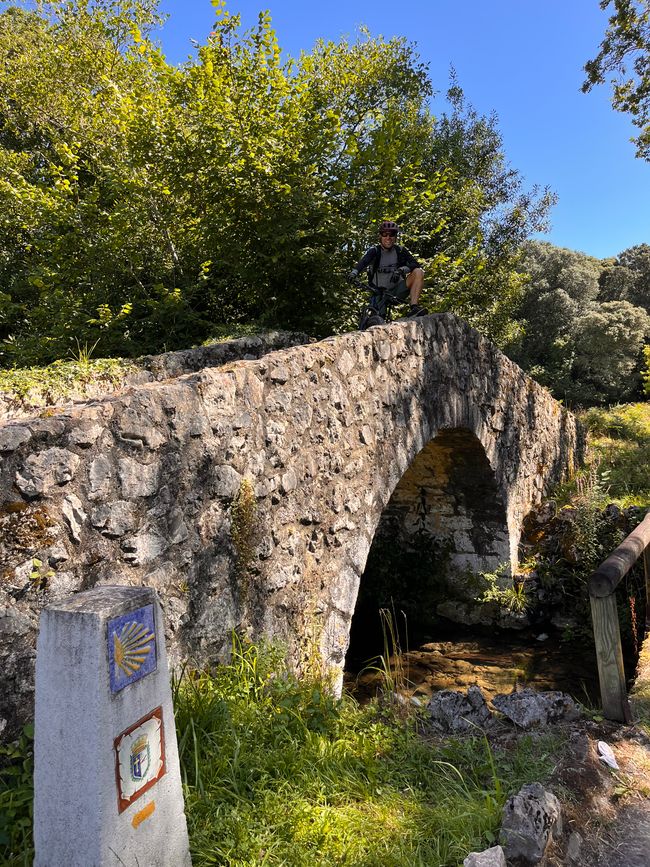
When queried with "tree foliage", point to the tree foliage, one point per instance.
{"points": [[624, 59], [583, 322], [140, 202]]}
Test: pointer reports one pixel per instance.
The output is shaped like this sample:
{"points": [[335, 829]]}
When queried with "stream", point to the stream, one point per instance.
{"points": [[497, 662]]}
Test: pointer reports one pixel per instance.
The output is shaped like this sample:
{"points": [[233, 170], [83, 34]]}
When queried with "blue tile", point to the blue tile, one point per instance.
{"points": [[131, 647]]}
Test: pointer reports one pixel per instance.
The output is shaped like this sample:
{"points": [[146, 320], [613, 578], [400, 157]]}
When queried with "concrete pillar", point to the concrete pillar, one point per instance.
{"points": [[107, 780]]}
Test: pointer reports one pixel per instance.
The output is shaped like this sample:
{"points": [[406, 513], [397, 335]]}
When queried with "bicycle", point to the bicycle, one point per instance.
{"points": [[378, 310]]}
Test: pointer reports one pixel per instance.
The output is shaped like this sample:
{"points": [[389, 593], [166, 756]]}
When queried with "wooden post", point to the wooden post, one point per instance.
{"points": [[609, 653]]}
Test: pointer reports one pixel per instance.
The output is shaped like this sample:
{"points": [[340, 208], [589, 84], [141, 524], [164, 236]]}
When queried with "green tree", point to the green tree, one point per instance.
{"points": [[608, 345], [561, 284], [624, 59], [87, 243], [627, 277], [140, 202], [474, 244], [585, 349]]}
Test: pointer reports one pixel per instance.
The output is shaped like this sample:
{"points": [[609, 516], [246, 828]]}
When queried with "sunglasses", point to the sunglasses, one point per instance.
{"points": [[388, 234]]}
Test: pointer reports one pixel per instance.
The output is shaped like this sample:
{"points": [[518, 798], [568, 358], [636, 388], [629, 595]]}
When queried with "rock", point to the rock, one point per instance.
{"points": [[85, 434], [42, 471], [528, 708], [176, 527], [366, 435], [46, 428], [279, 373], [144, 547], [99, 475], [57, 554], [574, 848], [138, 480], [466, 613], [530, 819], [74, 515], [13, 436], [382, 348], [453, 711], [226, 482], [116, 519], [563, 621], [62, 584], [345, 363], [288, 482], [13, 623], [493, 857], [136, 427]]}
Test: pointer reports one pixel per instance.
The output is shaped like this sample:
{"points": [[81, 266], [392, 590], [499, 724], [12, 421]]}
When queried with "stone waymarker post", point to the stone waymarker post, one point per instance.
{"points": [[107, 780]]}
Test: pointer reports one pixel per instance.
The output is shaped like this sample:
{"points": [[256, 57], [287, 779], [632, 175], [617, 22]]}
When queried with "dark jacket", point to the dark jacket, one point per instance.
{"points": [[371, 258]]}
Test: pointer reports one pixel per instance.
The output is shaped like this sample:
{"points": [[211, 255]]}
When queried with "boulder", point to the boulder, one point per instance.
{"points": [[494, 857], [453, 711], [528, 708], [531, 818]]}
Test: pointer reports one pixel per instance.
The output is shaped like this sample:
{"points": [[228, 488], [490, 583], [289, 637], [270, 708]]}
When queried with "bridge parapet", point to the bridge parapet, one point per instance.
{"points": [[138, 488]]}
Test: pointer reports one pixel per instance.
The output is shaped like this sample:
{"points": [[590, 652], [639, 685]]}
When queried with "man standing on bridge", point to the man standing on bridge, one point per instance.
{"points": [[393, 270]]}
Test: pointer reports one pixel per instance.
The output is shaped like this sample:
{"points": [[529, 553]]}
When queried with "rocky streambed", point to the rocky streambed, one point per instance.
{"points": [[496, 662]]}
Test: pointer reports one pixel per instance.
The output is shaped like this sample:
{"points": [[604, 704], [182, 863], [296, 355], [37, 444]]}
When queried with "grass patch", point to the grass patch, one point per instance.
{"points": [[619, 455], [234, 330], [43, 386], [277, 772], [16, 797], [39, 385]]}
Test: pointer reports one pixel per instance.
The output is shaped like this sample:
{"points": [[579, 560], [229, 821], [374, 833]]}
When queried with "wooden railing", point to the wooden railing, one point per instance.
{"points": [[604, 614]]}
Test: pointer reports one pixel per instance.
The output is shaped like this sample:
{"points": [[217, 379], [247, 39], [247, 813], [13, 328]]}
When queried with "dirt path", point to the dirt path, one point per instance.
{"points": [[607, 812], [626, 842]]}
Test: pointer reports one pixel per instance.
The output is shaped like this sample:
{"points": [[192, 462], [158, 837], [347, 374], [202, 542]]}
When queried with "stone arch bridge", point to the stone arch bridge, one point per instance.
{"points": [[249, 494]]}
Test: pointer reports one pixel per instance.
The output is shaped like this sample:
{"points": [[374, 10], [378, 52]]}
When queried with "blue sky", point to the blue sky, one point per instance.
{"points": [[522, 59]]}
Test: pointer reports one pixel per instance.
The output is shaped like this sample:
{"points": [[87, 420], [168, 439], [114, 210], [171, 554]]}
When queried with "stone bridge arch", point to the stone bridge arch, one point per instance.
{"points": [[138, 487], [444, 524]]}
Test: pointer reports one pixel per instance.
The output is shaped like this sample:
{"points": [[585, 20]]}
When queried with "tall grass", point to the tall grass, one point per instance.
{"points": [[391, 665], [619, 439], [278, 772]]}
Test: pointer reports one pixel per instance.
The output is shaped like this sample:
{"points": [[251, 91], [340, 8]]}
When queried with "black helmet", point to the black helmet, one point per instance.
{"points": [[388, 226]]}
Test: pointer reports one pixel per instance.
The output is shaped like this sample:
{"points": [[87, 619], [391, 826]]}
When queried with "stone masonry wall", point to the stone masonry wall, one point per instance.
{"points": [[138, 488]]}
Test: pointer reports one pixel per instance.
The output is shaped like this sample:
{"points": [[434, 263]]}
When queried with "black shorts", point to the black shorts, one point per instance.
{"points": [[400, 290]]}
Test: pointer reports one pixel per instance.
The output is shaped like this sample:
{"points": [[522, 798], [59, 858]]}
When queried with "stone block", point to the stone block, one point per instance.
{"points": [[137, 479], [100, 473], [74, 515], [137, 427], [13, 436], [453, 711], [42, 471], [115, 519], [528, 708]]}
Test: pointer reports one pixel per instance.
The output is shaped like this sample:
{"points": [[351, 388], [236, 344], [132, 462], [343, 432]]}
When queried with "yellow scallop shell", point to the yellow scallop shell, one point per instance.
{"points": [[131, 647]]}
